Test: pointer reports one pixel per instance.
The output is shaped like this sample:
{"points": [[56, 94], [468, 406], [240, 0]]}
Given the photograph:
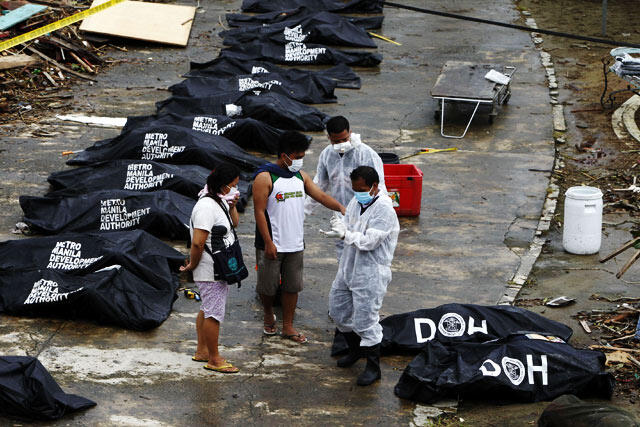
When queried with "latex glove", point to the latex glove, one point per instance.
{"points": [[337, 225], [330, 234]]}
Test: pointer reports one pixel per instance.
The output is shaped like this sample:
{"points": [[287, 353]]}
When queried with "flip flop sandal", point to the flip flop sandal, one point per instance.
{"points": [[297, 338], [225, 368], [270, 326], [195, 359]]}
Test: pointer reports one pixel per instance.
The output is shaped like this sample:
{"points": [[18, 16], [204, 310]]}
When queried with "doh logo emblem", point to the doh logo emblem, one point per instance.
{"points": [[233, 264], [452, 325], [514, 369], [280, 197]]}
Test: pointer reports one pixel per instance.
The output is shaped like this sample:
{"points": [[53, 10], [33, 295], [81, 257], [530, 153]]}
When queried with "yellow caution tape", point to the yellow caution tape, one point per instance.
{"points": [[57, 25]]}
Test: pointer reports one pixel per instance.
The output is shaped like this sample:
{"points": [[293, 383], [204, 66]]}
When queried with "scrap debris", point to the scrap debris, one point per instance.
{"points": [[34, 72], [619, 336]]}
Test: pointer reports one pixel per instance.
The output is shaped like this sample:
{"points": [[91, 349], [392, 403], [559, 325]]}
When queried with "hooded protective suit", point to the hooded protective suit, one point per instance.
{"points": [[365, 269], [332, 175]]}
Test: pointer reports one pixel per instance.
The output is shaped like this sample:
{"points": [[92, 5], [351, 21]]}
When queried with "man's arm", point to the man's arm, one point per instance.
{"points": [[320, 196], [261, 189], [321, 180]]}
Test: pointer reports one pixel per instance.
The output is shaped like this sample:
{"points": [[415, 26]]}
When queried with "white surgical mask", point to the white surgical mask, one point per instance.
{"points": [[364, 197], [296, 164], [342, 147], [233, 192]]}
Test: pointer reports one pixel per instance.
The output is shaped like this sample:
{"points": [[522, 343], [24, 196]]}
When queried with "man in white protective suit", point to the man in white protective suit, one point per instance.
{"points": [[344, 153], [370, 233]]}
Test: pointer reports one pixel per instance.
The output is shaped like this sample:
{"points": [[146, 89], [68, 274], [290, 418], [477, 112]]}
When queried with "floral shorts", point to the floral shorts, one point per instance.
{"points": [[214, 299]]}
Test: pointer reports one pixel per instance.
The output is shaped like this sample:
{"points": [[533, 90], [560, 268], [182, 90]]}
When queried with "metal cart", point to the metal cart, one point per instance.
{"points": [[464, 82], [633, 81]]}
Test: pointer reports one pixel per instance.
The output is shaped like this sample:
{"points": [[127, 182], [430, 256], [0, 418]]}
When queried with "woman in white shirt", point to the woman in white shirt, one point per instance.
{"points": [[212, 219]]}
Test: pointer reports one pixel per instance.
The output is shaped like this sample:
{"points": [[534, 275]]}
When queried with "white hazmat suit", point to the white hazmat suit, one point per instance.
{"points": [[365, 269], [333, 173]]}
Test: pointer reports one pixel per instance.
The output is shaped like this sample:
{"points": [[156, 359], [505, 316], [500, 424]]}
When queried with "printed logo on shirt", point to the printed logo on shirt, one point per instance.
{"points": [[282, 196]]}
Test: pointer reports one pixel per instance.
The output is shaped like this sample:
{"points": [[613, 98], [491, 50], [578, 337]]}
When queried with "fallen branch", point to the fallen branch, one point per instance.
{"points": [[604, 347], [82, 63], [57, 64], [623, 338], [634, 361], [48, 76], [16, 61]]}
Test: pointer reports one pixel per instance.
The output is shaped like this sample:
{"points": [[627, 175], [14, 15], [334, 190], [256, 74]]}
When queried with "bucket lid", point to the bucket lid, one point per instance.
{"points": [[583, 193]]}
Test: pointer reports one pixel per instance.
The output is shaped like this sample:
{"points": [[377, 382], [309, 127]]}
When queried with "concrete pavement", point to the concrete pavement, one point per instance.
{"points": [[480, 207]]}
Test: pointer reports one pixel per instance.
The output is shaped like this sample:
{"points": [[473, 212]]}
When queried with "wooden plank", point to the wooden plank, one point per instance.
{"points": [[15, 61], [585, 326], [460, 79], [161, 23], [20, 14]]}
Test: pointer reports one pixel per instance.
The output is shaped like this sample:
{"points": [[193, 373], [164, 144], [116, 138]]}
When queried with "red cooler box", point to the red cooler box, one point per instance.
{"points": [[404, 185]]}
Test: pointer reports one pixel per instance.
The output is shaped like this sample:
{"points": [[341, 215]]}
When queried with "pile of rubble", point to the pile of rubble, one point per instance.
{"points": [[32, 73], [618, 328]]}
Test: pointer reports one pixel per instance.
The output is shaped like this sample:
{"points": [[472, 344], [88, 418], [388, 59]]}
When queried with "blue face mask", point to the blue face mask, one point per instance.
{"points": [[363, 197]]}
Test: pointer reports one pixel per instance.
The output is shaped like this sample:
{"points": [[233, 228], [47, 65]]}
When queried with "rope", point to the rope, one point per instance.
{"points": [[514, 26]]}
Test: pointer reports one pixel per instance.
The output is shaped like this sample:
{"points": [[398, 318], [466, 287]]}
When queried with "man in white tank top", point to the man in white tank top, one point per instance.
{"points": [[279, 192]]}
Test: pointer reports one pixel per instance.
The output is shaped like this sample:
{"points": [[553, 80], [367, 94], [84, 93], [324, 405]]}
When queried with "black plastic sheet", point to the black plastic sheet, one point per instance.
{"points": [[245, 20], [168, 144], [162, 213], [132, 175], [568, 410], [322, 28], [247, 133], [271, 108], [524, 368], [298, 53], [341, 75], [80, 253], [303, 89], [28, 391], [111, 296], [355, 6], [409, 332]]}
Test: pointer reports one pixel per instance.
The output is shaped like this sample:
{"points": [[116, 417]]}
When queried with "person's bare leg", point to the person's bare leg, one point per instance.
{"points": [[267, 305], [211, 330], [202, 353], [289, 302]]}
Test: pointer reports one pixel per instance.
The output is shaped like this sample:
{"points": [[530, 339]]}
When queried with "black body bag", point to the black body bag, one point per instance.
{"points": [[355, 6], [341, 74], [251, 21], [228, 264]]}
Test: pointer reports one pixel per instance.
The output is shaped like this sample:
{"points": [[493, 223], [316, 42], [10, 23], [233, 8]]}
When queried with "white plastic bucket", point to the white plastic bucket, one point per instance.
{"points": [[582, 231]]}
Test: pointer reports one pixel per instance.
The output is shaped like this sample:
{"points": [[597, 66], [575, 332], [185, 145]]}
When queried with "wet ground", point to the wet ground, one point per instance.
{"points": [[480, 207]]}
